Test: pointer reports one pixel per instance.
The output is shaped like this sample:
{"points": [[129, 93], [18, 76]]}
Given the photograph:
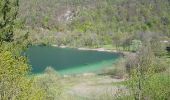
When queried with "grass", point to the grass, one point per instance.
{"points": [[109, 47], [69, 83]]}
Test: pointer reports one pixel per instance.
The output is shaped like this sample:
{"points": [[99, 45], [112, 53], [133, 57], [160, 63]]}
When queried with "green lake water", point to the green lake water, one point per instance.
{"points": [[67, 60]]}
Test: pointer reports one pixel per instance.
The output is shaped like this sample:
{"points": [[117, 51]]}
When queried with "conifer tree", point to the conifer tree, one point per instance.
{"points": [[8, 14]]}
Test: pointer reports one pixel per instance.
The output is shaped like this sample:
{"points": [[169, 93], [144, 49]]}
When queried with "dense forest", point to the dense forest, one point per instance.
{"points": [[140, 28], [96, 22]]}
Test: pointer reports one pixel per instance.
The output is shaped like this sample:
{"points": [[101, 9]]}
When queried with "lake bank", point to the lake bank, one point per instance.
{"points": [[86, 86], [102, 49], [85, 48]]}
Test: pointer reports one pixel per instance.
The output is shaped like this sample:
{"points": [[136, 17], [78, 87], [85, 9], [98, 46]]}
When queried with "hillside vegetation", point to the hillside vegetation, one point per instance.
{"points": [[141, 27], [95, 22]]}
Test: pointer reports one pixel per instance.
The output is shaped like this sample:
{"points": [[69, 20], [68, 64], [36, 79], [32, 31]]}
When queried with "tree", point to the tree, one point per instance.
{"points": [[14, 70], [8, 14], [147, 79], [14, 85], [136, 44]]}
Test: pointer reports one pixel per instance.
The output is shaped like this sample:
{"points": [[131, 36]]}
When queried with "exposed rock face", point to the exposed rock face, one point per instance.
{"points": [[67, 16]]}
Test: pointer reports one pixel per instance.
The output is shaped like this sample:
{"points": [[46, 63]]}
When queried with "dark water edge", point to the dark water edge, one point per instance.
{"points": [[168, 54], [68, 60]]}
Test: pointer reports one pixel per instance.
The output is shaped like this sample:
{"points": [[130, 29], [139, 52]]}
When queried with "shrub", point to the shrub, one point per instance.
{"points": [[136, 44], [14, 83], [50, 82]]}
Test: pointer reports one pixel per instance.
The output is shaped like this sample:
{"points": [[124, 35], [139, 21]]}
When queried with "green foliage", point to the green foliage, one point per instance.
{"points": [[158, 47], [50, 82], [94, 23], [157, 87], [14, 70], [150, 86], [14, 83], [116, 22], [136, 44], [148, 79], [8, 14]]}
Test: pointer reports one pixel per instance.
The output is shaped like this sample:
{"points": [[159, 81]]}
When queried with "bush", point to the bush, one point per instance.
{"points": [[148, 79], [14, 82], [136, 44], [50, 82]]}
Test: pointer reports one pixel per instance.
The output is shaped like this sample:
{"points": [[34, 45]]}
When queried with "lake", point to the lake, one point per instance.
{"points": [[68, 60]]}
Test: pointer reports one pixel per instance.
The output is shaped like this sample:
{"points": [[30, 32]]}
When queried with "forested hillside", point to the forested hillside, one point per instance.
{"points": [[97, 22]]}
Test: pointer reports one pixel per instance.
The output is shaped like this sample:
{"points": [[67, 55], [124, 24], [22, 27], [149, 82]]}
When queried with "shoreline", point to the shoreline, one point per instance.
{"points": [[87, 49], [124, 53], [98, 49]]}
